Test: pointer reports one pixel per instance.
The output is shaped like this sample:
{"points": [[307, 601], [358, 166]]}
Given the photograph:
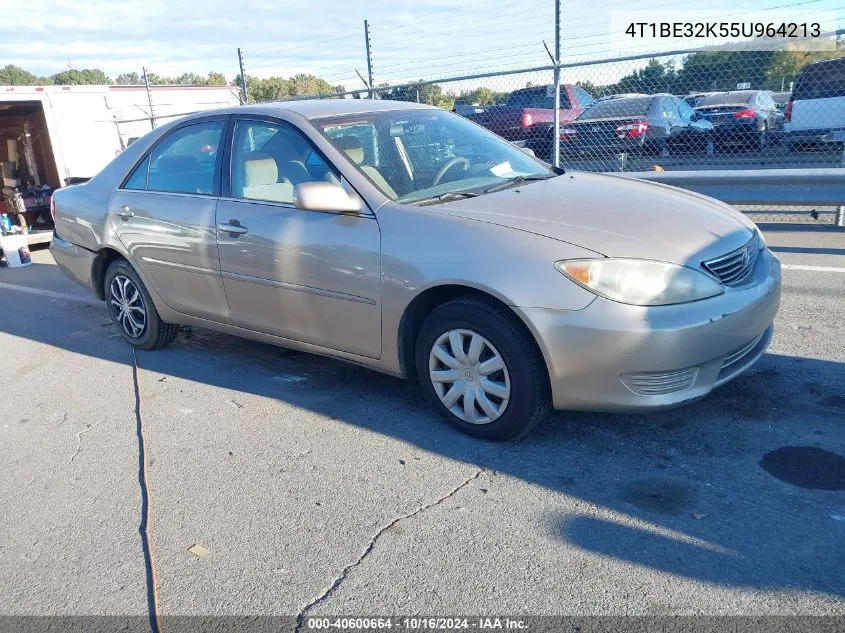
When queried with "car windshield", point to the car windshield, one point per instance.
{"points": [[418, 156], [617, 108], [728, 98]]}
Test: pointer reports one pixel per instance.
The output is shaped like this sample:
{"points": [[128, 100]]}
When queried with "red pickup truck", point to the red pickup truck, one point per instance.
{"points": [[527, 107]]}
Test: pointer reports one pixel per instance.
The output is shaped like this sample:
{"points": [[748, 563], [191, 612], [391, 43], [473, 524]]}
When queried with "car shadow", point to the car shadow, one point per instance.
{"points": [[681, 491]]}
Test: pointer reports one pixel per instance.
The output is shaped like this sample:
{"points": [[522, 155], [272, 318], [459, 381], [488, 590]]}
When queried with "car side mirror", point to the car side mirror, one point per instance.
{"points": [[529, 151], [324, 196]]}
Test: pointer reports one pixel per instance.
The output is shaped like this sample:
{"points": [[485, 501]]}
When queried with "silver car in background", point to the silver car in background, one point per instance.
{"points": [[407, 239]]}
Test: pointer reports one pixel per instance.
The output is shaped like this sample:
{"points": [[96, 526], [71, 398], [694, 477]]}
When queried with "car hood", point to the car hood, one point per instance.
{"points": [[614, 216]]}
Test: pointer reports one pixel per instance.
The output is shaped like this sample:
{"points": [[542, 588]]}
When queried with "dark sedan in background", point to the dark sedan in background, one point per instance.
{"points": [[661, 124], [742, 117]]}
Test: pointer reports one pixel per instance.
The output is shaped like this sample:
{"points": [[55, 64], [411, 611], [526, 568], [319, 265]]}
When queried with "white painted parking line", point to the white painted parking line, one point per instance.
{"points": [[815, 269], [50, 293]]}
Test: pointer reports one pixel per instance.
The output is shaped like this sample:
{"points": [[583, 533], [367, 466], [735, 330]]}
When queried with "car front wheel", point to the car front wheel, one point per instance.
{"points": [[480, 368]]}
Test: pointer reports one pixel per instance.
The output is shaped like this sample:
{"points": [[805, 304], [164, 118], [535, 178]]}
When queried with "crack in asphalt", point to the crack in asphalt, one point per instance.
{"points": [[144, 525], [79, 435], [371, 545]]}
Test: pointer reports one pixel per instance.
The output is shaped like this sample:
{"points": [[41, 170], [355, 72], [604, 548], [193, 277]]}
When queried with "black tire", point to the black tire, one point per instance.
{"points": [[155, 332], [529, 400], [763, 139]]}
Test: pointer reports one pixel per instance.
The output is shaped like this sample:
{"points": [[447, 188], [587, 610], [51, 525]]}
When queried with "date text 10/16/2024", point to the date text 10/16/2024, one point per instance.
{"points": [[416, 623]]}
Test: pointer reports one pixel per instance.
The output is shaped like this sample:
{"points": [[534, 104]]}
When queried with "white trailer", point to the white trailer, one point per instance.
{"points": [[62, 132]]}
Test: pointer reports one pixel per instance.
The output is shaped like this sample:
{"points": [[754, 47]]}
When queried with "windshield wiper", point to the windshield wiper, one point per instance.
{"points": [[449, 195], [518, 180]]}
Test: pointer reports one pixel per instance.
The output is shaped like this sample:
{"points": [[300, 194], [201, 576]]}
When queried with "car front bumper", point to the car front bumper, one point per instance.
{"points": [[615, 357]]}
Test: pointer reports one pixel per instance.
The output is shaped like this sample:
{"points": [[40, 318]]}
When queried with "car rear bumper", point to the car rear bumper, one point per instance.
{"points": [[74, 261], [615, 357], [587, 147], [740, 131], [822, 135]]}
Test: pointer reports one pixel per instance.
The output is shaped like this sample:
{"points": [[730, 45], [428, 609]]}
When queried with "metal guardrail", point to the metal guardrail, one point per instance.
{"points": [[776, 187]]}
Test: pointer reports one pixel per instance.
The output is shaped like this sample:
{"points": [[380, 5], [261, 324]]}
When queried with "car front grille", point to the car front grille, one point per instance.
{"points": [[656, 384], [733, 268]]}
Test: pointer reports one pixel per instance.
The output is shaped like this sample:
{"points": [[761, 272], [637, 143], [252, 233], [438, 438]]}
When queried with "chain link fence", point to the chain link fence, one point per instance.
{"points": [[826, 216], [695, 111]]}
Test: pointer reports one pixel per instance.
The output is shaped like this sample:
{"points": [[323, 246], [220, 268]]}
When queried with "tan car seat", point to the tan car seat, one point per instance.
{"points": [[260, 180], [351, 146]]}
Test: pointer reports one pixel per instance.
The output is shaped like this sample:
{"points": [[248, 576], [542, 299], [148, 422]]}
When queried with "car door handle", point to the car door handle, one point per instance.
{"points": [[125, 212], [233, 228]]}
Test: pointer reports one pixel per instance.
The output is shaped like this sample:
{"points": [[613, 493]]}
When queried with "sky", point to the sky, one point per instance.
{"points": [[410, 39]]}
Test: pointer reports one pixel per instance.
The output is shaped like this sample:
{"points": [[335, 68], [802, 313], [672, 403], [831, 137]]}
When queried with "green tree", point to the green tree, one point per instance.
{"points": [[481, 96], [269, 89], [215, 79], [421, 92], [302, 85], [189, 79], [785, 65], [86, 76], [723, 70], [128, 79], [11, 75]]}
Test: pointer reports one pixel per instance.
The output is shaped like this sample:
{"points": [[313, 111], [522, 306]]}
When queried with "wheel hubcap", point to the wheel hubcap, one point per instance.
{"points": [[127, 306], [469, 376]]}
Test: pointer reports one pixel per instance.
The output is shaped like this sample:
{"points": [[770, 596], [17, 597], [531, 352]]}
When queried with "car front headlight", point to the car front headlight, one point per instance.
{"points": [[640, 282]]}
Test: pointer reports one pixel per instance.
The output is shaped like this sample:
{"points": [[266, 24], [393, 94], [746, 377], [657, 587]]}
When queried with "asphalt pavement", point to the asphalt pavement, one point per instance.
{"points": [[318, 487]]}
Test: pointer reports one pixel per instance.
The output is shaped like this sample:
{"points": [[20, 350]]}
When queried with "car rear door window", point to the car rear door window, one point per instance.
{"points": [[185, 161], [269, 159]]}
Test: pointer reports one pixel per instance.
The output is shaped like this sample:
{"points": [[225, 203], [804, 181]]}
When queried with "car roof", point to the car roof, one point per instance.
{"points": [[748, 93], [317, 108], [624, 95]]}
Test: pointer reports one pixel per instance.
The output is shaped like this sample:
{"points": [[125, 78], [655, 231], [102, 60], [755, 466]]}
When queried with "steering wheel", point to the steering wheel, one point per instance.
{"points": [[457, 160]]}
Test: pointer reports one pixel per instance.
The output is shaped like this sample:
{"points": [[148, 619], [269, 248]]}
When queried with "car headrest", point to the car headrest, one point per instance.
{"points": [[351, 146], [260, 169]]}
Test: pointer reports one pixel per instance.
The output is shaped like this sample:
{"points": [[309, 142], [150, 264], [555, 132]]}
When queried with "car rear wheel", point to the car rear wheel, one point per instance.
{"points": [[132, 310], [479, 367], [763, 138]]}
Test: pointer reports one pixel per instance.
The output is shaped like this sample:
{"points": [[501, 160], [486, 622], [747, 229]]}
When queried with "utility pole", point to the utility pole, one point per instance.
{"points": [[149, 98], [369, 57], [556, 134], [243, 77]]}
